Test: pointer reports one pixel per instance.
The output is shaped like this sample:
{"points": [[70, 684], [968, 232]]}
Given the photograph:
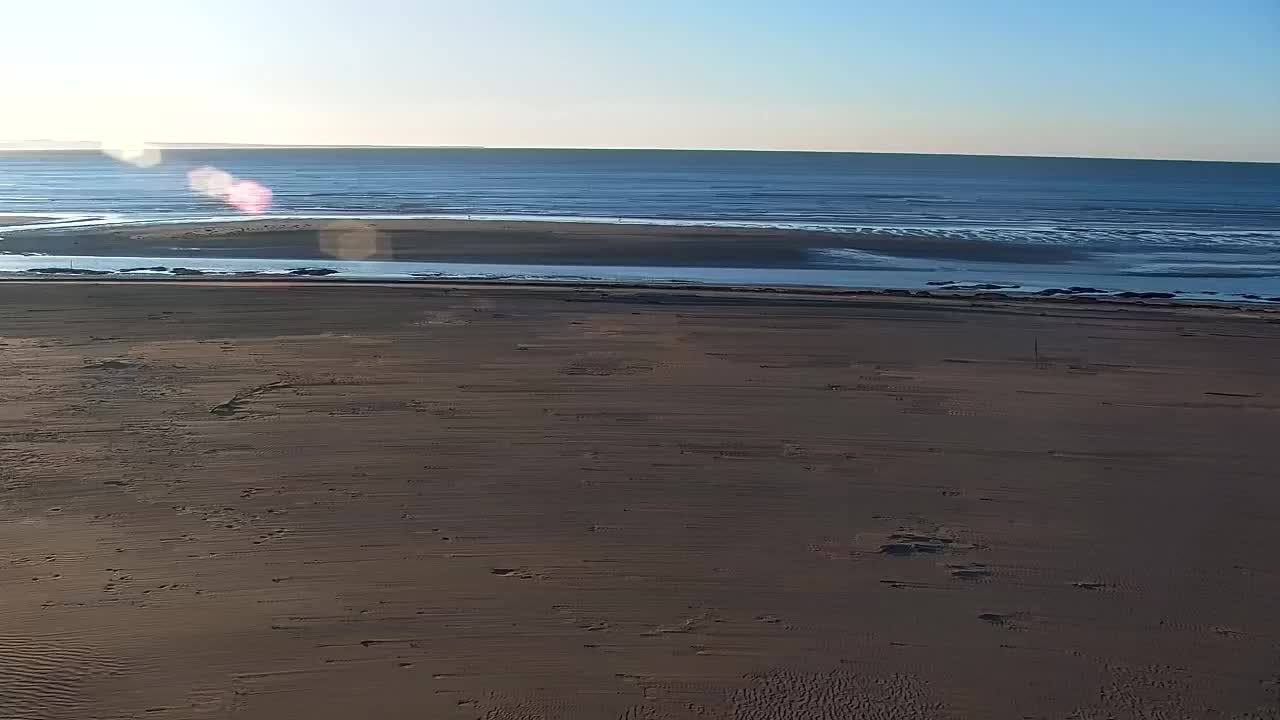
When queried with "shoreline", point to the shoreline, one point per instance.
{"points": [[943, 296], [592, 251], [40, 268]]}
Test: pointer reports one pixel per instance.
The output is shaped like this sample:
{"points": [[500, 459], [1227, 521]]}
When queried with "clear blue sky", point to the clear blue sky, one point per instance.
{"points": [[1130, 78]]}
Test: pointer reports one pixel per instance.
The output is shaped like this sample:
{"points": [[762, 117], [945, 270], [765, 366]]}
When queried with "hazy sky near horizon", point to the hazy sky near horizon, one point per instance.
{"points": [[1127, 78]]}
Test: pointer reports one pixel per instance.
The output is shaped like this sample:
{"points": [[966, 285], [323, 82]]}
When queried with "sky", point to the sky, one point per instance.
{"points": [[1114, 78]]}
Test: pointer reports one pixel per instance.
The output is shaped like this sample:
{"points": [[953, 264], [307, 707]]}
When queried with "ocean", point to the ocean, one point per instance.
{"points": [[1193, 227]]}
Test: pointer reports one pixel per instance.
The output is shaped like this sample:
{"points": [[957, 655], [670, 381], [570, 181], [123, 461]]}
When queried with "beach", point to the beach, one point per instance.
{"points": [[309, 499]]}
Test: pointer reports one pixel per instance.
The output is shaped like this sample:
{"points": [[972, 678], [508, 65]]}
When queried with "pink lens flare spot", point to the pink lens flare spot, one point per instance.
{"points": [[249, 197], [210, 181]]}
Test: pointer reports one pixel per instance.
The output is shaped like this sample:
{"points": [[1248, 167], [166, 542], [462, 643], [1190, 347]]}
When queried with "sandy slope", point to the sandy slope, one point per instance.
{"points": [[421, 502]]}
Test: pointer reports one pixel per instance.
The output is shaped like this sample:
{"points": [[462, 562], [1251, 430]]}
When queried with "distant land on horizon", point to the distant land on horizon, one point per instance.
{"points": [[38, 145], [90, 145]]}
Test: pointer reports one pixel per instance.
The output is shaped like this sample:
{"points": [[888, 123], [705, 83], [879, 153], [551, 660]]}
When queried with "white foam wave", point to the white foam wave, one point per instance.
{"points": [[865, 260]]}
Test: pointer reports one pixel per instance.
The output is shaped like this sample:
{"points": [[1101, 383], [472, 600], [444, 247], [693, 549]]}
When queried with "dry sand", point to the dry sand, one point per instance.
{"points": [[313, 501], [516, 242]]}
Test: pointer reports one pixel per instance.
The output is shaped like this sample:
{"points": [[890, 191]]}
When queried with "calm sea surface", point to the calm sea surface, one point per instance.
{"points": [[1142, 218]]}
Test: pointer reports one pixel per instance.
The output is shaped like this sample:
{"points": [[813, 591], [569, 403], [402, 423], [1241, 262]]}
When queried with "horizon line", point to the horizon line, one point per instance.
{"points": [[90, 145]]}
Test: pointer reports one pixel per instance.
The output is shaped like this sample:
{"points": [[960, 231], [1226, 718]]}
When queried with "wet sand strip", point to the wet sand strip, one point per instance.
{"points": [[510, 242]]}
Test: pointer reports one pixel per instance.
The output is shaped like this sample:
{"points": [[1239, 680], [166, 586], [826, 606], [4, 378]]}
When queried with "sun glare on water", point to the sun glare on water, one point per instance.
{"points": [[133, 152]]}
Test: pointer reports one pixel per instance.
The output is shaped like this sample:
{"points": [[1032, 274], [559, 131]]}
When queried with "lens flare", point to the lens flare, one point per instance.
{"points": [[352, 240], [246, 196], [210, 181], [249, 197]]}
